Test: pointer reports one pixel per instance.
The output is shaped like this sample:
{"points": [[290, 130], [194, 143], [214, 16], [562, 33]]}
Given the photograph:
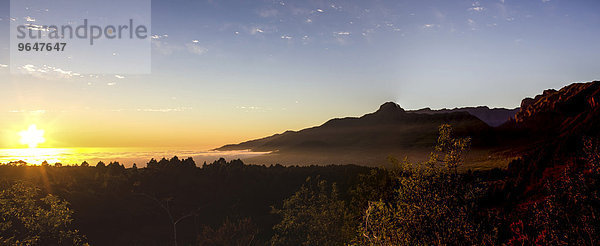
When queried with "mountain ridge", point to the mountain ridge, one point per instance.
{"points": [[388, 113], [492, 116], [391, 130]]}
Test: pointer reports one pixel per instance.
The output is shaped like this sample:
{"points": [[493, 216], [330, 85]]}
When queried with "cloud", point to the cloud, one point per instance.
{"points": [[306, 39], [119, 76], [163, 110], [3, 66], [253, 109], [342, 33], [194, 48], [29, 19], [156, 36], [341, 37], [286, 37], [476, 7], [545, 1], [195, 41], [47, 72], [111, 83], [256, 30], [320, 10], [160, 44], [38, 27], [36, 111], [65, 73]]}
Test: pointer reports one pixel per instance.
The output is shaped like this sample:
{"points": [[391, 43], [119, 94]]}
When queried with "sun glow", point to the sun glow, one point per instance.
{"points": [[32, 137]]}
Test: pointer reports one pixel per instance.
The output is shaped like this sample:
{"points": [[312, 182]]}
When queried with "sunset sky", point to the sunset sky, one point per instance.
{"points": [[229, 71]]}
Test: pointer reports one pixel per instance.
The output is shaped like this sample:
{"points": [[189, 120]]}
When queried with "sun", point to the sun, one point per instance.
{"points": [[32, 136]]}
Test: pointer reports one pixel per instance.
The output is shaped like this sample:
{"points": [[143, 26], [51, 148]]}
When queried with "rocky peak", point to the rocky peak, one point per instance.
{"points": [[389, 108]]}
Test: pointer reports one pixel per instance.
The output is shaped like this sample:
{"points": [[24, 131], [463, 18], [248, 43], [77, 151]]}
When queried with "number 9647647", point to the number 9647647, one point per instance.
{"points": [[41, 46]]}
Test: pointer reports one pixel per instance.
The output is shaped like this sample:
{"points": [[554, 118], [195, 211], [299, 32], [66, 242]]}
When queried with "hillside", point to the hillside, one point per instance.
{"points": [[564, 124], [388, 127], [370, 139], [491, 116]]}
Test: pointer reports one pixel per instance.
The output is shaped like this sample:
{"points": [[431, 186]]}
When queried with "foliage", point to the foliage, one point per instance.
{"points": [[412, 203], [314, 215], [433, 204], [27, 218], [110, 210], [240, 232], [568, 214], [449, 151]]}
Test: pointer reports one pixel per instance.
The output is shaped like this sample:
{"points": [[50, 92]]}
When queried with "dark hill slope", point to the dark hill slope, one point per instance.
{"points": [[389, 127], [559, 122], [371, 138], [493, 117]]}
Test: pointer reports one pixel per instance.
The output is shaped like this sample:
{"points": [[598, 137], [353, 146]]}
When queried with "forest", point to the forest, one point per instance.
{"points": [[176, 202]]}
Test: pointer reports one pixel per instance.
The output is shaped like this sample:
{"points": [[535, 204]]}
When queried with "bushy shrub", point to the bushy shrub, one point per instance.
{"points": [[433, 203], [28, 218], [314, 215]]}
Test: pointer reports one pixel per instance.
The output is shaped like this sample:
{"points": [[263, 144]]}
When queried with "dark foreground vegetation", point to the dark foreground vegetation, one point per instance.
{"points": [[173, 202]]}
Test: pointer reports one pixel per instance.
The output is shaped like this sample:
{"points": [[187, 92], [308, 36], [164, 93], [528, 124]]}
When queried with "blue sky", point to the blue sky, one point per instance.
{"points": [[234, 70]]}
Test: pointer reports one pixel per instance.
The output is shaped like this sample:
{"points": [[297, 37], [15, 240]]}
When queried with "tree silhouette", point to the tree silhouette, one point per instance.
{"points": [[101, 164]]}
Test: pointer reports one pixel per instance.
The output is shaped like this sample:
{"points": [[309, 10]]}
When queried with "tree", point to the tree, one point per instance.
{"points": [[433, 204], [28, 218], [152, 163], [449, 151], [314, 215], [85, 164], [100, 164]]}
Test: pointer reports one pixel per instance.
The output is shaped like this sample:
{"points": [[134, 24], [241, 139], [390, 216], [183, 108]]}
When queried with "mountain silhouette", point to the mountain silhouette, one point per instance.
{"points": [[554, 118], [493, 117], [388, 127], [368, 139]]}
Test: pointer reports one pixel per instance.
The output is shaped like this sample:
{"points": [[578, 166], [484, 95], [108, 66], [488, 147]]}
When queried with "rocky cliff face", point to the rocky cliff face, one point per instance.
{"points": [[558, 123], [572, 110]]}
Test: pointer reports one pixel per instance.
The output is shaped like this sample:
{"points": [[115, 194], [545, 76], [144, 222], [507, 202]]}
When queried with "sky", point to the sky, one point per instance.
{"points": [[229, 71]]}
